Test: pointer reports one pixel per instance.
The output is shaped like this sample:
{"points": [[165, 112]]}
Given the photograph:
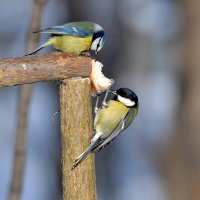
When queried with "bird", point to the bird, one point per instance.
{"points": [[110, 120], [74, 37]]}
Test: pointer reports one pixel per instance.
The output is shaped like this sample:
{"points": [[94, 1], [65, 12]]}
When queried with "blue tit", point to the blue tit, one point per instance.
{"points": [[111, 120], [74, 38]]}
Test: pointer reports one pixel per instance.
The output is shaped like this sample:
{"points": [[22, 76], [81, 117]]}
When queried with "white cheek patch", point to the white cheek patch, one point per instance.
{"points": [[125, 101], [95, 44]]}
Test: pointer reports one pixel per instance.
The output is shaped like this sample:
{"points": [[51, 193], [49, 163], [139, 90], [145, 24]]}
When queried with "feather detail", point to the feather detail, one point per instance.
{"points": [[96, 139]]}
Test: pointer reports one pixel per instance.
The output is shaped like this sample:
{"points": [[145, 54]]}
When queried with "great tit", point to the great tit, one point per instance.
{"points": [[111, 120], [74, 37]]}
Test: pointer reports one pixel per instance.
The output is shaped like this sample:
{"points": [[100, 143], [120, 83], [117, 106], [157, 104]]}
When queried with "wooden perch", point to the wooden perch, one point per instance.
{"points": [[75, 103], [76, 132], [43, 67]]}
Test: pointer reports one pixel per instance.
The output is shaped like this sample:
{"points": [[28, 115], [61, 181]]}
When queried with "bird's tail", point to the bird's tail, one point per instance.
{"points": [[48, 43], [94, 142], [36, 50]]}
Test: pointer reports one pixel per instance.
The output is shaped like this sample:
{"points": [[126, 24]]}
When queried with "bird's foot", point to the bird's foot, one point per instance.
{"points": [[60, 82], [96, 109], [104, 104], [86, 54]]}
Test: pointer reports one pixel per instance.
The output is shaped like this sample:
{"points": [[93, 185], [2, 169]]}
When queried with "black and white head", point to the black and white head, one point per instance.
{"points": [[98, 39], [126, 96]]}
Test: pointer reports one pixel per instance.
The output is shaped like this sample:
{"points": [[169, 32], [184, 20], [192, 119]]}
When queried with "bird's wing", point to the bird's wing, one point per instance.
{"points": [[119, 128], [73, 29]]}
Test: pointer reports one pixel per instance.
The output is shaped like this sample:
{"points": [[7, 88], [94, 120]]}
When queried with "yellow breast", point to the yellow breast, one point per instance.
{"points": [[71, 44], [108, 117]]}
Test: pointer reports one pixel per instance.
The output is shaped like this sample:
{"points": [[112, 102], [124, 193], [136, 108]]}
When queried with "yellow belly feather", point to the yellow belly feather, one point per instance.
{"points": [[70, 44], [107, 119]]}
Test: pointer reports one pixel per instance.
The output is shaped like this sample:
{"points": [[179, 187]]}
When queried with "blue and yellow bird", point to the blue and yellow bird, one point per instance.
{"points": [[110, 120], [74, 38]]}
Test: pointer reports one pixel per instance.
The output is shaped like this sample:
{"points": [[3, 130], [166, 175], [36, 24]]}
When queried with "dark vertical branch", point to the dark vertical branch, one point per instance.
{"points": [[76, 130], [183, 157], [33, 39], [24, 99]]}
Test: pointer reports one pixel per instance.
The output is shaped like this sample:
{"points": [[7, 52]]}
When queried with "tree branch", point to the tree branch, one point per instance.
{"points": [[43, 67]]}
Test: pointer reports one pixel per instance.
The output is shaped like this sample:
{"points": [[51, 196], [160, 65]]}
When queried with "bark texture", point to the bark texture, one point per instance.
{"points": [[76, 130], [43, 67]]}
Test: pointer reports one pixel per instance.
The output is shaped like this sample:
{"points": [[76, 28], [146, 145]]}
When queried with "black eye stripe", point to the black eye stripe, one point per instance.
{"points": [[98, 44]]}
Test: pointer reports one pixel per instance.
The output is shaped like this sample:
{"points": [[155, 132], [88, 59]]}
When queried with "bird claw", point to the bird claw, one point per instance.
{"points": [[104, 104], [96, 109], [60, 82], [85, 54]]}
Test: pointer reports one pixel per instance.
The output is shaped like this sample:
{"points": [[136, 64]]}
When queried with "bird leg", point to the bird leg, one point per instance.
{"points": [[60, 82], [96, 109], [86, 54], [104, 103]]}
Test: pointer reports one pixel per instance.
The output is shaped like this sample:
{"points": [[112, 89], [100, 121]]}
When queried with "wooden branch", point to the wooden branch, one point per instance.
{"points": [[43, 67], [76, 131]]}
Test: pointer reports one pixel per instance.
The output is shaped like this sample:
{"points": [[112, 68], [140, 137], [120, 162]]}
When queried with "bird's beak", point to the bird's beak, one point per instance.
{"points": [[113, 92]]}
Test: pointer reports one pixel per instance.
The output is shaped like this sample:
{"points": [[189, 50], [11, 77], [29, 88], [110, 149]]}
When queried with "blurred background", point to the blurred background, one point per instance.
{"points": [[152, 47]]}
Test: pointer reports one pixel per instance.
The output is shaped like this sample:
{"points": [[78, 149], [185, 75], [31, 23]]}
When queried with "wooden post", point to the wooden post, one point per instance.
{"points": [[76, 112], [76, 132]]}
